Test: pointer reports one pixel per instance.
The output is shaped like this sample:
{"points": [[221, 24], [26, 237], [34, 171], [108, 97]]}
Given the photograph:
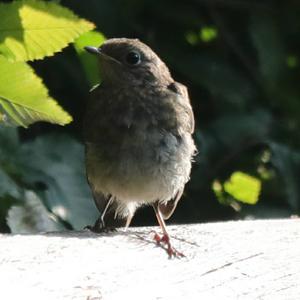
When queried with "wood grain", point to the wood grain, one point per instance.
{"points": [[231, 260]]}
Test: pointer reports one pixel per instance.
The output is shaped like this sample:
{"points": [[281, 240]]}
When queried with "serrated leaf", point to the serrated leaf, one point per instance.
{"points": [[88, 61], [24, 99], [91, 38], [31, 29], [243, 187]]}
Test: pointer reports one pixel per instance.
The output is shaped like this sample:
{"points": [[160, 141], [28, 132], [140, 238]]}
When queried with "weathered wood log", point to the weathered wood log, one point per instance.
{"points": [[231, 260]]}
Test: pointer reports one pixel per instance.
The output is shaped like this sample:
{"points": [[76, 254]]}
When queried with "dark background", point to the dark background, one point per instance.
{"points": [[243, 83]]}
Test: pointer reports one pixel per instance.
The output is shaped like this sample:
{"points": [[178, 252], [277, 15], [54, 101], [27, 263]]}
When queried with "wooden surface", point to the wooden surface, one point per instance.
{"points": [[233, 260]]}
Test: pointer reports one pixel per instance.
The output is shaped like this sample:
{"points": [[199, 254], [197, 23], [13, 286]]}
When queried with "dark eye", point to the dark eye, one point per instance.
{"points": [[133, 58]]}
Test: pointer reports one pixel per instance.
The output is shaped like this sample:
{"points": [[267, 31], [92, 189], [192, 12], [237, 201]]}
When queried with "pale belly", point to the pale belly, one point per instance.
{"points": [[141, 172]]}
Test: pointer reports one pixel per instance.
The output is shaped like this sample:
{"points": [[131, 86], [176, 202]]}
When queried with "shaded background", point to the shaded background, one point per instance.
{"points": [[240, 62]]}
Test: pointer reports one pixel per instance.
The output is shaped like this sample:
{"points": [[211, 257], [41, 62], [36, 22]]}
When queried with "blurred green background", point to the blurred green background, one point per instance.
{"points": [[240, 62]]}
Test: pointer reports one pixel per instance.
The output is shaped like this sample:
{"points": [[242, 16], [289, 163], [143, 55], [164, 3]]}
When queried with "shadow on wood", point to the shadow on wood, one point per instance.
{"points": [[232, 260]]}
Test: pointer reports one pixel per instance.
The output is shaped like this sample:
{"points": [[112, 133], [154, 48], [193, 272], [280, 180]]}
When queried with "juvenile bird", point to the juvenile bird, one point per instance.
{"points": [[138, 134]]}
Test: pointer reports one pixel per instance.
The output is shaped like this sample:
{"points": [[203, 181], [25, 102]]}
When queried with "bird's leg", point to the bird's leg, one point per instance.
{"points": [[165, 238], [128, 221], [99, 225]]}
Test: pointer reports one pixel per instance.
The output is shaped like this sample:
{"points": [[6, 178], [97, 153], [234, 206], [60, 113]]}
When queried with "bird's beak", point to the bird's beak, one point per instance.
{"points": [[103, 57], [92, 50]]}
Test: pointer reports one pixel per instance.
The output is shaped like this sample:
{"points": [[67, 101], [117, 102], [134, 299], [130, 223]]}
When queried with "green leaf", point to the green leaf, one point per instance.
{"points": [[53, 167], [31, 29], [10, 138], [9, 162], [243, 187], [88, 61], [24, 99], [8, 186], [57, 161], [208, 33], [191, 37], [31, 217]]}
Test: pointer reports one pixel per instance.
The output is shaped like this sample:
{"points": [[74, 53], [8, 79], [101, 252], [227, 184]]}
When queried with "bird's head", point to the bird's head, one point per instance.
{"points": [[129, 61]]}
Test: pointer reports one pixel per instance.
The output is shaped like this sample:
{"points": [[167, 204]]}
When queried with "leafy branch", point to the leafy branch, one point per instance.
{"points": [[30, 30]]}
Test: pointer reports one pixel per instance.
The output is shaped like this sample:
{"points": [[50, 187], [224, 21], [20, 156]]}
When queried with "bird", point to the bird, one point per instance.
{"points": [[137, 132]]}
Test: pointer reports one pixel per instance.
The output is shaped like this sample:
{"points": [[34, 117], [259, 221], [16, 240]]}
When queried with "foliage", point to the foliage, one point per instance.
{"points": [[32, 29], [45, 178], [24, 98], [89, 62], [240, 61], [31, 217], [29, 30], [243, 187], [240, 187]]}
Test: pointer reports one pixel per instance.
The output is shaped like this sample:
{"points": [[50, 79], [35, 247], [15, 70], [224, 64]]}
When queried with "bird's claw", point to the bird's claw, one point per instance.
{"points": [[165, 239], [97, 229]]}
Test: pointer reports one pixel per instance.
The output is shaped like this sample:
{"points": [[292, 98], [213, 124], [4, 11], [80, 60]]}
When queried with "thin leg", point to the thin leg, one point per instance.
{"points": [[99, 225], [128, 221], [160, 219], [165, 238], [108, 203]]}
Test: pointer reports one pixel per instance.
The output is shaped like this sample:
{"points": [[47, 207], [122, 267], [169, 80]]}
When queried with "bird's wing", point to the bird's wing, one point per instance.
{"points": [[184, 108], [168, 208], [187, 122]]}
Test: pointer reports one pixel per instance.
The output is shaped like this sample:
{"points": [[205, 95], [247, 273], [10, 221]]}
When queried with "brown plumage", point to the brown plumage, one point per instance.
{"points": [[137, 132]]}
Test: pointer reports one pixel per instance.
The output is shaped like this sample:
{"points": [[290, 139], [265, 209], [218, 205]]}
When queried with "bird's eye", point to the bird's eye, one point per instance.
{"points": [[133, 58]]}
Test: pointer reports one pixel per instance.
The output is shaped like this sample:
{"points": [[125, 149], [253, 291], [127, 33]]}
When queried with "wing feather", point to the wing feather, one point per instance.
{"points": [[185, 107]]}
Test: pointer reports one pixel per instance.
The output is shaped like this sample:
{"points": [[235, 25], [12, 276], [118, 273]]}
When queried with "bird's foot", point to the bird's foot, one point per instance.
{"points": [[97, 229], [165, 239]]}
